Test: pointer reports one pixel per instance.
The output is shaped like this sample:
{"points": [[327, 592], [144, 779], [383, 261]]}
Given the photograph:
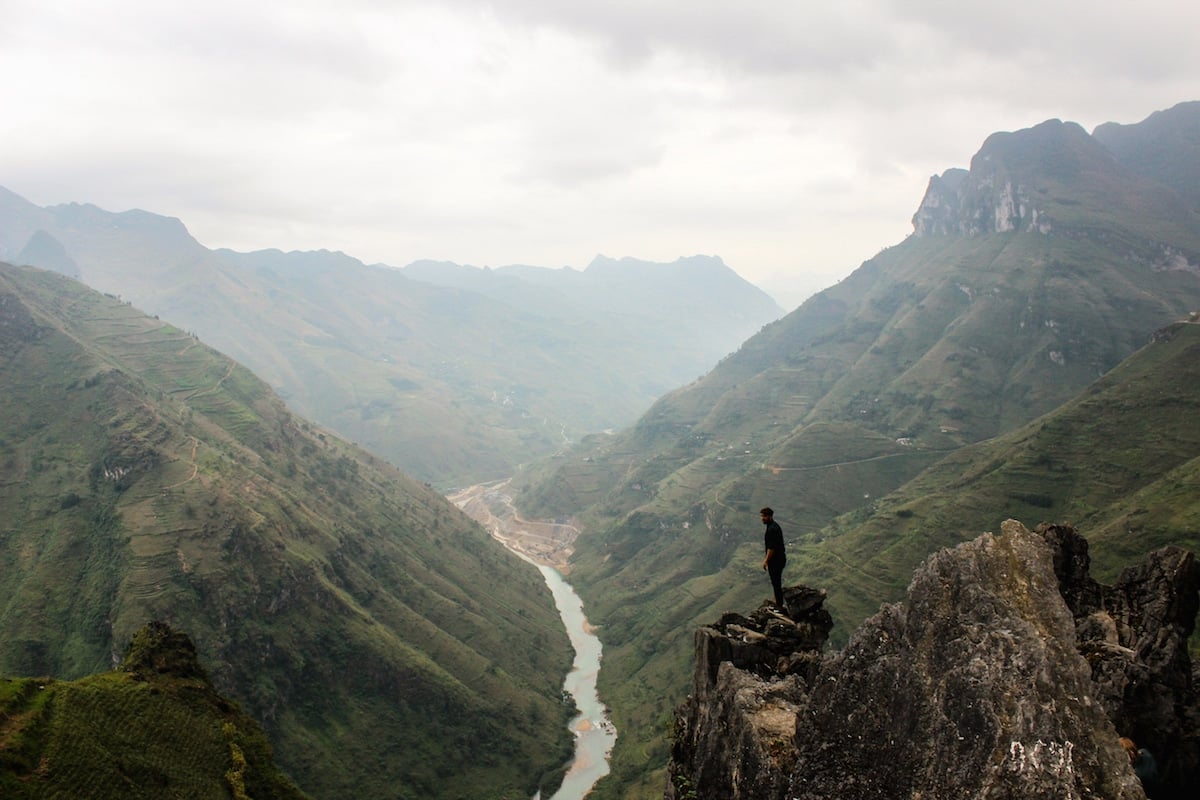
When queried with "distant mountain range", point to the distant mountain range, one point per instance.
{"points": [[454, 374], [1025, 353], [1028, 277], [388, 645]]}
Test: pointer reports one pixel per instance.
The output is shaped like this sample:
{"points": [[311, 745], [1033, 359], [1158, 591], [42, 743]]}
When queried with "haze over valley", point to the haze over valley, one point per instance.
{"points": [[456, 374], [260, 451]]}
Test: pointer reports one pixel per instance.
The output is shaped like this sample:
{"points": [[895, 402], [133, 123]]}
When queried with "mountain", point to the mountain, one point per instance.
{"points": [[1164, 147], [153, 728], [686, 308], [1122, 460], [388, 645], [1027, 277], [457, 377]]}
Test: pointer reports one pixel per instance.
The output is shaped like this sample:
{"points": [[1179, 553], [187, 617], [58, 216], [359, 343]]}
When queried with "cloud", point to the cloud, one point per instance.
{"points": [[785, 137]]}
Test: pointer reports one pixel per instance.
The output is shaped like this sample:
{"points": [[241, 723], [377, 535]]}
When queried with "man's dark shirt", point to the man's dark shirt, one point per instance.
{"points": [[773, 540]]}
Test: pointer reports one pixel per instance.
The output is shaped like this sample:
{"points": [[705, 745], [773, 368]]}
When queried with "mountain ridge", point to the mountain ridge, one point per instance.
{"points": [[944, 340], [502, 375], [353, 611]]}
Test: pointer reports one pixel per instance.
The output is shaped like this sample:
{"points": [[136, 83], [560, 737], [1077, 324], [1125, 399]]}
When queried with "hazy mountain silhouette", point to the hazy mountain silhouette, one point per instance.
{"points": [[451, 382]]}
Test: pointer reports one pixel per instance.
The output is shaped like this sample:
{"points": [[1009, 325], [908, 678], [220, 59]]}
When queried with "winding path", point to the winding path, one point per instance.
{"points": [[195, 467]]}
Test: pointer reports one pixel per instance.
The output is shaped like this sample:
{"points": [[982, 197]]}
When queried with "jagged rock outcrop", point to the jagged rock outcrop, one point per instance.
{"points": [[1134, 636], [738, 727], [1007, 174], [1008, 673], [157, 649]]}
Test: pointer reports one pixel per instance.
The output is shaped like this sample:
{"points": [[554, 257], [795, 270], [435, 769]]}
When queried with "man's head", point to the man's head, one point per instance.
{"points": [[767, 515]]}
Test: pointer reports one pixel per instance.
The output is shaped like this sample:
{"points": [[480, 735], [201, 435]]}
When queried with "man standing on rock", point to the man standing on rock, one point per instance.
{"points": [[775, 558]]}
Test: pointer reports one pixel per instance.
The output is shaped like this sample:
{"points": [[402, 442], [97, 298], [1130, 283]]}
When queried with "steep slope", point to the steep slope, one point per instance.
{"points": [[154, 728], [1122, 460], [451, 383], [1164, 147], [1027, 277], [390, 647]]}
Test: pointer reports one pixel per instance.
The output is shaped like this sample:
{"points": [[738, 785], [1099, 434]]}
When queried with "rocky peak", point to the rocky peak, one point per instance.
{"points": [[1006, 185], [1008, 672], [157, 650], [737, 730]]}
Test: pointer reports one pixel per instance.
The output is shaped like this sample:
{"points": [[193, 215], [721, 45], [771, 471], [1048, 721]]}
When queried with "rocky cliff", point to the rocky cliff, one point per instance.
{"points": [[1006, 186], [1056, 179], [1008, 673]]}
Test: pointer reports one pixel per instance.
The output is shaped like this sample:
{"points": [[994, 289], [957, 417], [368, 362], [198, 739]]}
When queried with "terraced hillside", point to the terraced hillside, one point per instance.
{"points": [[153, 728], [387, 644], [1121, 459]]}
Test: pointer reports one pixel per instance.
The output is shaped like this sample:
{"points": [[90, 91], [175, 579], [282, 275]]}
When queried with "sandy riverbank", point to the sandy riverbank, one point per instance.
{"points": [[547, 543]]}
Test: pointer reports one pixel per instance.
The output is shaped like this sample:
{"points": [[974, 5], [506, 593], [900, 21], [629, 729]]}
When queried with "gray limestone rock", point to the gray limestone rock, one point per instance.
{"points": [[1134, 636], [734, 737], [1007, 673]]}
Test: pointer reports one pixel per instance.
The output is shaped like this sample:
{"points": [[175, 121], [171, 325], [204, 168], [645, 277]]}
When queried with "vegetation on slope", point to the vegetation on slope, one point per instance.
{"points": [[1122, 460], [935, 344], [154, 728], [390, 647], [455, 384]]}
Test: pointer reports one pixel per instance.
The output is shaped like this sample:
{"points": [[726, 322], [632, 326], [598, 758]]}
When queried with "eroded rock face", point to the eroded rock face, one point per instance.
{"points": [[1134, 636], [1008, 673], [973, 689], [734, 738]]}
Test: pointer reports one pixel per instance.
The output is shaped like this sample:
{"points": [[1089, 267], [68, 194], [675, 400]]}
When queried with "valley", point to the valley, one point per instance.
{"points": [[548, 544], [255, 449], [353, 611], [454, 374]]}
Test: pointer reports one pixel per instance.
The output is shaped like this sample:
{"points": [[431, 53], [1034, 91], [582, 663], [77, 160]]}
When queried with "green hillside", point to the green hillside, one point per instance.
{"points": [[154, 728], [456, 377], [387, 644], [1122, 461], [1027, 278]]}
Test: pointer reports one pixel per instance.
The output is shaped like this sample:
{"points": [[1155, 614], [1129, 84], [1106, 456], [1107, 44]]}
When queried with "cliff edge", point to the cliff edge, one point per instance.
{"points": [[1007, 673]]}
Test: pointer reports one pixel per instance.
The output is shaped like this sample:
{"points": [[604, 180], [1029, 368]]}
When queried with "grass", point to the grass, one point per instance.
{"points": [[934, 347], [121, 735], [353, 610]]}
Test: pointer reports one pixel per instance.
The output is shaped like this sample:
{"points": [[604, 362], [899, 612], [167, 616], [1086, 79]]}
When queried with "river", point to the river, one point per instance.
{"points": [[594, 732], [548, 546]]}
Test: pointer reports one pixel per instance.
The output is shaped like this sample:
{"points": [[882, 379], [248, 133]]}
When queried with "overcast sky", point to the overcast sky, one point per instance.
{"points": [[793, 139]]}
